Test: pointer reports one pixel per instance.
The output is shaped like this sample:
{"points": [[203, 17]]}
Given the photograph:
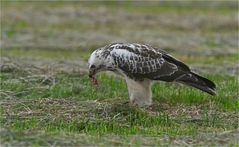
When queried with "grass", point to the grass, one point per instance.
{"points": [[47, 99], [85, 53], [79, 87], [72, 105], [44, 53], [66, 106], [165, 7]]}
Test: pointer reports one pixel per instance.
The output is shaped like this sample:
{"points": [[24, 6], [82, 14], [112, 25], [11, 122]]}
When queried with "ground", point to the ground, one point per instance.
{"points": [[46, 96]]}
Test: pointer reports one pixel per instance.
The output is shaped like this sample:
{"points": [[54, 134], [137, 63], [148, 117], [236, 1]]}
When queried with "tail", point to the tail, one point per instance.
{"points": [[199, 82]]}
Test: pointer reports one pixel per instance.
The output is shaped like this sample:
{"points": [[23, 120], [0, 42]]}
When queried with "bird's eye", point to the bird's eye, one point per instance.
{"points": [[92, 66]]}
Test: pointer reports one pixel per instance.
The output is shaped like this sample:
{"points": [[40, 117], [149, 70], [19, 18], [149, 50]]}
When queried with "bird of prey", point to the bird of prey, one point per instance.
{"points": [[140, 65]]}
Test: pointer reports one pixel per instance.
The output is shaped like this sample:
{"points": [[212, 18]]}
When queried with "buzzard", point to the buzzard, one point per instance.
{"points": [[140, 65]]}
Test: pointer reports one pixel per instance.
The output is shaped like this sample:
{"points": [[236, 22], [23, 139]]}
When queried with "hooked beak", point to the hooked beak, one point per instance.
{"points": [[92, 73]]}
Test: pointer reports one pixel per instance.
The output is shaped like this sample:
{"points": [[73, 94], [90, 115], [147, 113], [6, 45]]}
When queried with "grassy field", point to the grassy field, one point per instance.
{"points": [[46, 96]]}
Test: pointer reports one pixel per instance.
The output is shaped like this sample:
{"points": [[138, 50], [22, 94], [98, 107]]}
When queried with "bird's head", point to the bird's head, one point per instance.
{"points": [[96, 63]]}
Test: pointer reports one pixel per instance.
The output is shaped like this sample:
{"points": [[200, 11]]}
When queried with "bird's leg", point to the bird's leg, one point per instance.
{"points": [[140, 92]]}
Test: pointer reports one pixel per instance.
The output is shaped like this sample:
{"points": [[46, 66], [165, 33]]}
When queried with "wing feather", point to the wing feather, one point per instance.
{"points": [[141, 61]]}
